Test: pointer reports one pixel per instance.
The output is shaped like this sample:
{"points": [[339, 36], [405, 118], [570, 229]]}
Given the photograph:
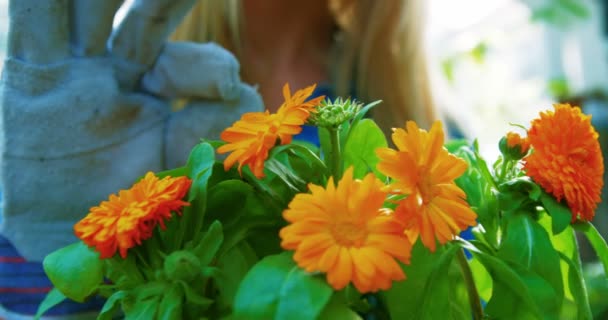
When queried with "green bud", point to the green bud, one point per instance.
{"points": [[182, 265], [331, 114]]}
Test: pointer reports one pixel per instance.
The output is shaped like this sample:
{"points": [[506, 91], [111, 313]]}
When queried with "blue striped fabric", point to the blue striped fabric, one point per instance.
{"points": [[23, 285]]}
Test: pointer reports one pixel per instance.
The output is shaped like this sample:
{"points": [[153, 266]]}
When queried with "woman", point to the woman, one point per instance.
{"points": [[370, 49]]}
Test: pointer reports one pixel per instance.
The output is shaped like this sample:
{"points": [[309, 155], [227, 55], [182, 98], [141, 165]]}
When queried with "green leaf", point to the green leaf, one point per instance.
{"points": [[337, 308], [170, 306], [210, 244], [524, 185], [360, 149], [143, 309], [233, 265], [53, 298], [276, 288], [560, 214], [418, 274], [527, 245], [200, 168], [577, 286], [75, 270], [176, 172], [436, 299], [111, 306], [302, 296], [362, 112], [597, 242], [454, 144], [508, 291], [483, 280], [285, 173]]}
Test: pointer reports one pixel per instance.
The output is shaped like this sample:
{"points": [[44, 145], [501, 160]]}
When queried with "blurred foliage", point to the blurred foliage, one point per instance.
{"points": [[561, 13], [476, 54], [597, 289]]}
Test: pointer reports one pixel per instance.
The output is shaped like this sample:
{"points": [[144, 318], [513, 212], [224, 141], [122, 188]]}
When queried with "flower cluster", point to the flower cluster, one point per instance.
{"points": [[321, 230]]}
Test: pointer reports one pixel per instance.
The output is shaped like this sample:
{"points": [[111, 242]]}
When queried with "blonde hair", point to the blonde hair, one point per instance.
{"points": [[381, 52]]}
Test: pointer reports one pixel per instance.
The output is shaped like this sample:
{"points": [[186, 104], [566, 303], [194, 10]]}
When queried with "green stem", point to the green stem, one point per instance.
{"points": [[597, 242], [503, 170], [578, 266], [474, 298], [335, 156]]}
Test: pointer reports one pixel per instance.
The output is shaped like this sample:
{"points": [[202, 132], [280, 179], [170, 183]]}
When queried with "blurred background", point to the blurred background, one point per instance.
{"points": [[502, 61]]}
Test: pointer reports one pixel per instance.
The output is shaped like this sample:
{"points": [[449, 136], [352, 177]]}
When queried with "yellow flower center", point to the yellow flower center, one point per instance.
{"points": [[349, 234], [425, 188]]}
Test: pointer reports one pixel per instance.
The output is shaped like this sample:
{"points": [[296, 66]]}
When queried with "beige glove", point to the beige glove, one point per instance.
{"points": [[78, 121]]}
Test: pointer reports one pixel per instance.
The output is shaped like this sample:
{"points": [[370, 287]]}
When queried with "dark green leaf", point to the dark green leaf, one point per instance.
{"points": [[200, 168], [508, 291], [143, 309], [193, 297], [577, 287], [233, 265], [53, 298], [170, 307], [362, 112], [111, 306], [285, 173], [360, 149], [597, 242], [75, 270], [210, 244], [302, 296], [527, 245], [337, 308], [276, 286], [435, 301], [560, 214], [418, 274], [524, 185], [177, 172]]}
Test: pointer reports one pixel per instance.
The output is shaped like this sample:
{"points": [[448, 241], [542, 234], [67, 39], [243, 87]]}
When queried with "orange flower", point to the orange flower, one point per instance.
{"points": [[345, 232], [125, 220], [566, 159], [251, 138], [425, 171], [514, 140]]}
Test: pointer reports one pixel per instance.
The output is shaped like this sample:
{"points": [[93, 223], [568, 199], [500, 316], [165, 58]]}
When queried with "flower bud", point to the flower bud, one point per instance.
{"points": [[332, 114], [513, 146], [182, 265]]}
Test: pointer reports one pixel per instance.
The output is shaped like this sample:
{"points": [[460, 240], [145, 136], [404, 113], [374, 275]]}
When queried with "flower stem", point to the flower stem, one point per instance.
{"points": [[503, 170], [597, 242], [335, 156], [474, 298], [578, 266]]}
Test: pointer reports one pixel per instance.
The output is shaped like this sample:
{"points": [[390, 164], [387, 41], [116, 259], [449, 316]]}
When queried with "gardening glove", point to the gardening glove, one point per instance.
{"points": [[86, 108]]}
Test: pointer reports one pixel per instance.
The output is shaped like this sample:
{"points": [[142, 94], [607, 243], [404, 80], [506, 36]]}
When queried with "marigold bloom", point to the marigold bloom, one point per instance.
{"points": [[425, 171], [345, 232], [566, 159], [125, 220], [251, 138]]}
